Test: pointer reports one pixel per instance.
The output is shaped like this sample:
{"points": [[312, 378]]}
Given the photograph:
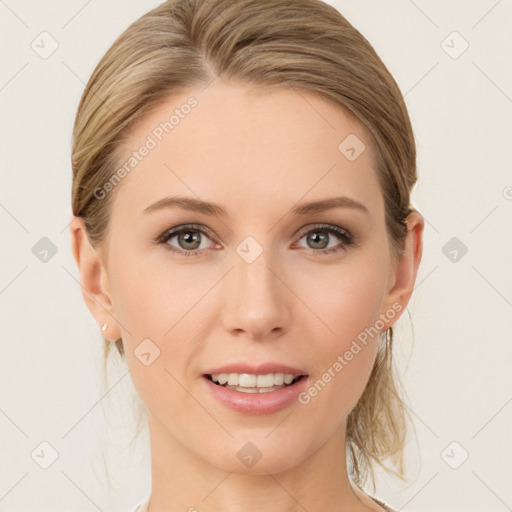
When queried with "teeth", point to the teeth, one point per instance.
{"points": [[248, 380]]}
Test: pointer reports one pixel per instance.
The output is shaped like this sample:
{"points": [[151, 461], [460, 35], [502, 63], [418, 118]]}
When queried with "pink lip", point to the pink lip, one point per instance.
{"points": [[261, 369], [256, 403]]}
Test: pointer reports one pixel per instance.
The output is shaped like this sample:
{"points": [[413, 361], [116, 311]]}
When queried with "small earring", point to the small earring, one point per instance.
{"points": [[104, 330]]}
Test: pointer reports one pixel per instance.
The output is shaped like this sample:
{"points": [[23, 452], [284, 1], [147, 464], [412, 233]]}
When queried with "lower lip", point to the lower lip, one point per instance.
{"points": [[257, 403]]}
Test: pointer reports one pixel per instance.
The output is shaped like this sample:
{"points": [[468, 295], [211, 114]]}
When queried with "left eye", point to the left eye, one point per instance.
{"points": [[320, 237]]}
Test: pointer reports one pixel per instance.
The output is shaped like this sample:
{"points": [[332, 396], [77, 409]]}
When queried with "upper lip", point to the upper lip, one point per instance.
{"points": [[259, 369]]}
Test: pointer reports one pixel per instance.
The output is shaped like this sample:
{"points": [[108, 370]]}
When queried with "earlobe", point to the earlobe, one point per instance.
{"points": [[405, 272], [92, 276]]}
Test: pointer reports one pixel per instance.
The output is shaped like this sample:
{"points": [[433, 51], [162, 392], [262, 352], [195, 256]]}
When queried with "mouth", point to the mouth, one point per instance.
{"points": [[252, 383]]}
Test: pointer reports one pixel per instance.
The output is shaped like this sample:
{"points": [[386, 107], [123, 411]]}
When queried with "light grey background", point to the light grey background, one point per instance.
{"points": [[456, 369]]}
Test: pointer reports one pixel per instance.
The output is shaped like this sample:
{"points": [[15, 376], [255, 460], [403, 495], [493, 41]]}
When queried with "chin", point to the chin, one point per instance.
{"points": [[259, 456]]}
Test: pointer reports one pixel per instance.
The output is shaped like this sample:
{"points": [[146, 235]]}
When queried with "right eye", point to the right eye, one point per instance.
{"points": [[189, 238]]}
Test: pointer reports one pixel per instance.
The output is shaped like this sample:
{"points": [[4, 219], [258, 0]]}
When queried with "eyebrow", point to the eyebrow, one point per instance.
{"points": [[207, 208]]}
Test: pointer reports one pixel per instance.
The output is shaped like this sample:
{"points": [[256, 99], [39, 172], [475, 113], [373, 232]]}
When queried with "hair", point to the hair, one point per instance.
{"points": [[302, 44]]}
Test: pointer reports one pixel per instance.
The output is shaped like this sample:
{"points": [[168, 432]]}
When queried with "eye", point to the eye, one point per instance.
{"points": [[189, 239], [319, 238]]}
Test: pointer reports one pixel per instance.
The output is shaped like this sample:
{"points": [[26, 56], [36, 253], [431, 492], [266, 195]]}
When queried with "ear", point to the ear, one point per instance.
{"points": [[93, 279], [403, 276]]}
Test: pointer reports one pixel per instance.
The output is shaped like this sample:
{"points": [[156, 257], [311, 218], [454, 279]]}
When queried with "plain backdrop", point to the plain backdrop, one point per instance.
{"points": [[59, 430]]}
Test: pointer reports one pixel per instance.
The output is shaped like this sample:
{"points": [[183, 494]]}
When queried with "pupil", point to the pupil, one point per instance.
{"points": [[315, 238], [186, 238]]}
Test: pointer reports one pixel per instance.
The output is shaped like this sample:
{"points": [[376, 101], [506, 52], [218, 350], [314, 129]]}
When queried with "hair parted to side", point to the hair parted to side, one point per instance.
{"points": [[304, 44]]}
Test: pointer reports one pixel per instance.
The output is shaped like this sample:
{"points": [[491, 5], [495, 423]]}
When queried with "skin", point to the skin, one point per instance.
{"points": [[257, 153]]}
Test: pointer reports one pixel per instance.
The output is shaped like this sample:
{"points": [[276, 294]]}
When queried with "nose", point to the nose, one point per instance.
{"points": [[257, 302]]}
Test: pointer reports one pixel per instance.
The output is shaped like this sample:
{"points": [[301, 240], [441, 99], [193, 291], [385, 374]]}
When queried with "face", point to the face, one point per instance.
{"points": [[255, 279]]}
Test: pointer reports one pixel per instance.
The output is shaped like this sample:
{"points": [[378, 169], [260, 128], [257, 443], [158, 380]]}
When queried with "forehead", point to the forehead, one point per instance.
{"points": [[254, 145]]}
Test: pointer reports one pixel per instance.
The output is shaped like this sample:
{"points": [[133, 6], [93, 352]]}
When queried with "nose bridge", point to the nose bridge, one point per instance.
{"points": [[254, 274], [256, 301]]}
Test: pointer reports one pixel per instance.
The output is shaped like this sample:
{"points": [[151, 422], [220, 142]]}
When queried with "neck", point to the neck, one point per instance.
{"points": [[183, 480]]}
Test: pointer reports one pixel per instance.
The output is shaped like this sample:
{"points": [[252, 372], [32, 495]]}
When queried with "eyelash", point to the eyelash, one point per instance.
{"points": [[347, 238]]}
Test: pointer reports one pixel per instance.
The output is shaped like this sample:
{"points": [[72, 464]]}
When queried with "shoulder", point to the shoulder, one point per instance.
{"points": [[383, 505], [141, 506], [370, 501]]}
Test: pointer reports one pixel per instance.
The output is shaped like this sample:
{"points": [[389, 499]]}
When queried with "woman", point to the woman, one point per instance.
{"points": [[244, 236]]}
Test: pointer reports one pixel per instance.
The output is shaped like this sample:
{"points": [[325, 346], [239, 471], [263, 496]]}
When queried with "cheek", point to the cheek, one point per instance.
{"points": [[346, 300], [344, 354], [152, 296], [154, 314], [152, 303]]}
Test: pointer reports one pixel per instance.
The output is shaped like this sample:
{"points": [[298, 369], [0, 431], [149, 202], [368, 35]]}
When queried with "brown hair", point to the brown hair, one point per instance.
{"points": [[304, 44]]}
